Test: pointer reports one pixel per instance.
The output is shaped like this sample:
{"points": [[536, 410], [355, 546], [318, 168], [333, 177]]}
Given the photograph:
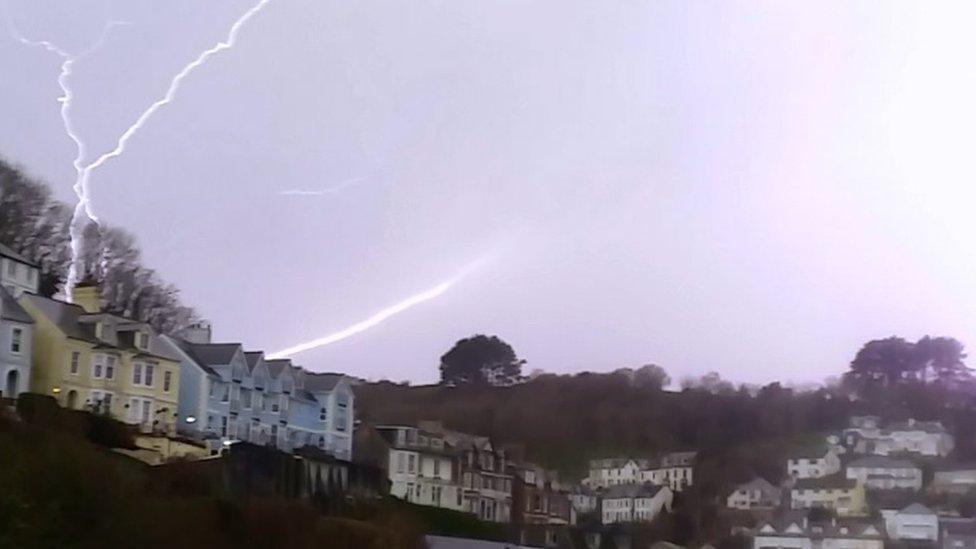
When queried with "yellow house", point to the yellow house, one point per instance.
{"points": [[103, 362]]}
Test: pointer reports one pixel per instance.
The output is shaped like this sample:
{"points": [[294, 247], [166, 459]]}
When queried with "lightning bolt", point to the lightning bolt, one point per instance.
{"points": [[384, 314], [83, 208], [328, 190]]}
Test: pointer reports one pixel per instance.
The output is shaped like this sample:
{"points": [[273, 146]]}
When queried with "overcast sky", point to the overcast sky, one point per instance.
{"points": [[754, 188]]}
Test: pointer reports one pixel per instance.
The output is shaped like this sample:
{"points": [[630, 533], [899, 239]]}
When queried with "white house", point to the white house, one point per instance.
{"points": [[813, 462], [758, 493], [866, 436], [583, 499], [17, 275], [792, 530], [956, 478], [635, 503], [615, 471], [915, 522], [421, 466], [674, 470], [884, 473]]}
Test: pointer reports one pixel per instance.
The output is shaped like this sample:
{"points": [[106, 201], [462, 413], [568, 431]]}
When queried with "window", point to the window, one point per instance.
{"points": [[143, 341], [98, 366], [101, 402], [401, 462], [149, 375], [412, 463], [275, 403], [437, 467], [16, 340], [137, 373], [322, 415], [321, 441], [225, 392], [167, 380], [223, 426], [75, 358], [274, 433], [11, 268], [245, 398], [109, 367], [140, 410]]}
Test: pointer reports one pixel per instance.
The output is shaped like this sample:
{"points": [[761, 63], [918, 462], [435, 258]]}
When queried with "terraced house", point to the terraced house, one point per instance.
{"points": [[103, 362], [229, 395], [17, 275]]}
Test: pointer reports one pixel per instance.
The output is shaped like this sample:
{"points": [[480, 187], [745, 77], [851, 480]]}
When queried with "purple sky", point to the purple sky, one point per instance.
{"points": [[754, 188]]}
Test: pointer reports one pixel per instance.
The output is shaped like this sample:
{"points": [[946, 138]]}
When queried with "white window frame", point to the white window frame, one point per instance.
{"points": [[16, 338], [137, 373], [74, 363], [98, 366], [142, 340], [167, 381], [148, 374], [110, 366]]}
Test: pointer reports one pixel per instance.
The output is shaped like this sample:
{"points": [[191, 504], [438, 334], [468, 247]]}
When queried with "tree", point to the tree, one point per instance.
{"points": [[942, 358], [481, 359], [651, 376], [885, 362]]}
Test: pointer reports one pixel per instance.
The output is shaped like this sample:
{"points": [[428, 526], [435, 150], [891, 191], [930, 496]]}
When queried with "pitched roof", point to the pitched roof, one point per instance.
{"points": [[617, 463], [315, 381], [809, 452], [833, 481], [7, 251], [758, 483], [794, 523], [932, 427], [65, 316], [916, 509], [11, 310], [621, 491], [276, 366], [211, 354], [252, 358], [882, 462]]}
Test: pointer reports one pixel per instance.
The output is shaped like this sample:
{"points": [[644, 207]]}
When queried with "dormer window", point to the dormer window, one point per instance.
{"points": [[142, 341], [98, 330]]}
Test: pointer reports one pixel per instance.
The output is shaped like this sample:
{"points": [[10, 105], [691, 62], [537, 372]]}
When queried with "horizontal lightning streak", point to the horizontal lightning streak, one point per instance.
{"points": [[321, 192], [382, 315]]}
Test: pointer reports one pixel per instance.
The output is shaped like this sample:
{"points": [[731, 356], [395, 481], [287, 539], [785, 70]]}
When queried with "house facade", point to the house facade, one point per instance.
{"points": [[536, 498], [884, 473], [865, 435], [421, 467], [616, 471], [814, 462], [674, 470], [954, 478], [232, 395], [913, 523], [793, 530], [758, 493], [17, 276], [583, 499], [627, 503], [843, 495], [102, 362]]}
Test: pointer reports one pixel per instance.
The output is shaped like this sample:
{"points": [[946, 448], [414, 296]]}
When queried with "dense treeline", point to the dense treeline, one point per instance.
{"points": [[35, 225]]}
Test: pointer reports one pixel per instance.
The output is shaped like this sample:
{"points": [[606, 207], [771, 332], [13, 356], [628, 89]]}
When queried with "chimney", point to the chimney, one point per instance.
{"points": [[200, 333], [87, 295]]}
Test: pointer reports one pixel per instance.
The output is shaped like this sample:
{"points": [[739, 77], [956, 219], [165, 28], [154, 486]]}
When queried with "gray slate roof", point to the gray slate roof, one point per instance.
{"points": [[252, 358], [916, 509], [315, 382], [758, 483], [65, 316], [7, 251], [11, 310], [879, 462], [278, 365], [621, 491], [212, 354]]}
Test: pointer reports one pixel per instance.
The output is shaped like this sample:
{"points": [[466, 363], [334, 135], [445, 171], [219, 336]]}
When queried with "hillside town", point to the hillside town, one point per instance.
{"points": [[190, 399]]}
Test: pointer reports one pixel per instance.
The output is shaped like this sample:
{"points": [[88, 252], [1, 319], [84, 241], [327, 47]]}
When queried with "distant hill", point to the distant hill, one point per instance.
{"points": [[562, 422]]}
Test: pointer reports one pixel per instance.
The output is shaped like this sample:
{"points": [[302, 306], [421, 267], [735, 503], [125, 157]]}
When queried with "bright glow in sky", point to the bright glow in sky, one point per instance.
{"points": [[752, 187]]}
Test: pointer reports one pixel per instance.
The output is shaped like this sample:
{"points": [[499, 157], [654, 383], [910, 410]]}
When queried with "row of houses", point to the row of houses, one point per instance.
{"points": [[169, 384], [914, 525], [674, 470]]}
